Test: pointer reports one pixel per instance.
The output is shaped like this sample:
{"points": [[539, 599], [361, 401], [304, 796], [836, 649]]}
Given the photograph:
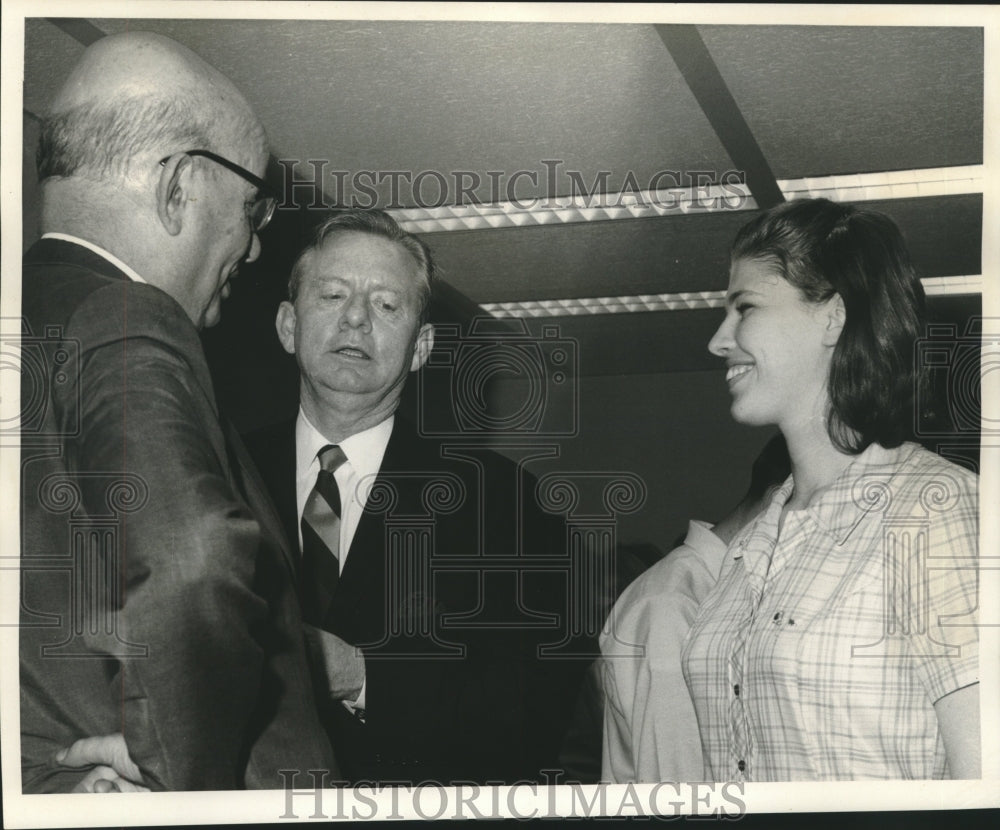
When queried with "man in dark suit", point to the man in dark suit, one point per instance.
{"points": [[433, 625], [158, 592]]}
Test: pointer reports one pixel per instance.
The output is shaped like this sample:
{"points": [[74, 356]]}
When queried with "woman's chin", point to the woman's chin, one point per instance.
{"points": [[743, 414]]}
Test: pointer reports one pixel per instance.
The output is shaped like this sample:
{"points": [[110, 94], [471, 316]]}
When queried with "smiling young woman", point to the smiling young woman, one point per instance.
{"points": [[820, 653]]}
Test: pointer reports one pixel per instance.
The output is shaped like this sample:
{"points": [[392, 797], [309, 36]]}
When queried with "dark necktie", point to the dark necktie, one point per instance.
{"points": [[321, 539]]}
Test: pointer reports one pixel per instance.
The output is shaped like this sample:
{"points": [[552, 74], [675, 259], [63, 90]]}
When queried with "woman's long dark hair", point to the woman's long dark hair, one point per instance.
{"points": [[823, 249]]}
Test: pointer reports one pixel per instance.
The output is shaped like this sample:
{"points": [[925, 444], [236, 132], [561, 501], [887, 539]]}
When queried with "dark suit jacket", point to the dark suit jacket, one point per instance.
{"points": [[447, 699], [157, 588]]}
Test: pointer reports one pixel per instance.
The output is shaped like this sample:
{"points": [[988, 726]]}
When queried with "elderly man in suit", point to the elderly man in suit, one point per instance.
{"points": [[157, 589], [436, 668]]}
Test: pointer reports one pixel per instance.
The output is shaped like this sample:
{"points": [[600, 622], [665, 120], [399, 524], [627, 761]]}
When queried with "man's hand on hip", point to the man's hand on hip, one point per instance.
{"points": [[115, 771]]}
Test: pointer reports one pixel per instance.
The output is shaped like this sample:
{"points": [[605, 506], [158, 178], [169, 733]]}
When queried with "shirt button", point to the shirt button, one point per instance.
{"points": [[741, 766], [736, 690]]}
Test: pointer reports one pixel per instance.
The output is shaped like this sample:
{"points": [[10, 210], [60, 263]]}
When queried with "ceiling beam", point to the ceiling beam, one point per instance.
{"points": [[713, 96], [77, 28]]}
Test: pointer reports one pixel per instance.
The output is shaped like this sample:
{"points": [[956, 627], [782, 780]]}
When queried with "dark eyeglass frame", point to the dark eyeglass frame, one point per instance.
{"points": [[265, 203]]}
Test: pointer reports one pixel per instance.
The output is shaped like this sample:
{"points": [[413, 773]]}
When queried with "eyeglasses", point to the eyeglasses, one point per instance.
{"points": [[263, 208]]}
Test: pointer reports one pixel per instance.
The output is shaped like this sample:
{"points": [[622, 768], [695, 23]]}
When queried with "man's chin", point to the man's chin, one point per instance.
{"points": [[349, 382]]}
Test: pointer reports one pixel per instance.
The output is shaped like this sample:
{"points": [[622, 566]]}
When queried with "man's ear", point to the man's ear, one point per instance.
{"points": [[284, 323], [422, 347], [172, 192], [835, 316]]}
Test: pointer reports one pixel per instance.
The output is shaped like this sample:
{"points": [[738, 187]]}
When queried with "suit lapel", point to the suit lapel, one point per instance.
{"points": [[361, 592], [361, 589]]}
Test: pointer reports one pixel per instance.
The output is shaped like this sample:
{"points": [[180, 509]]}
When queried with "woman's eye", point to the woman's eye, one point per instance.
{"points": [[743, 308]]}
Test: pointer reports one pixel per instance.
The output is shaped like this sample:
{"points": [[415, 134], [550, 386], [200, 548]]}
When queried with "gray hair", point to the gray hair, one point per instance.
{"points": [[101, 139]]}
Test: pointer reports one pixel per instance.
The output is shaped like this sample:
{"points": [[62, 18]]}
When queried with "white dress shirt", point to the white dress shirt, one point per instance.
{"points": [[97, 249], [355, 477], [364, 452]]}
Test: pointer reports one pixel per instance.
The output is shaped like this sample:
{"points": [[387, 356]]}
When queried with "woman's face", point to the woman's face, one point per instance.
{"points": [[777, 348]]}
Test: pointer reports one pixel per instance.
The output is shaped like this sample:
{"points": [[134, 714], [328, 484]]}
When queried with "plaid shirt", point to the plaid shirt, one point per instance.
{"points": [[822, 649]]}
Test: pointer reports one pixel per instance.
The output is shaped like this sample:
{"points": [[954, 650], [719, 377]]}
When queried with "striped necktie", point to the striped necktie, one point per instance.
{"points": [[321, 539]]}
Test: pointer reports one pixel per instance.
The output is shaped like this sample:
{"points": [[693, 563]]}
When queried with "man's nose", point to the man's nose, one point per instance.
{"points": [[356, 311]]}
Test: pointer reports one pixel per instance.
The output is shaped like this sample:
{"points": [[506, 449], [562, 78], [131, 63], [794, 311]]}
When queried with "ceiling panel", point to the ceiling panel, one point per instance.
{"points": [[445, 98], [823, 100], [944, 235], [594, 259]]}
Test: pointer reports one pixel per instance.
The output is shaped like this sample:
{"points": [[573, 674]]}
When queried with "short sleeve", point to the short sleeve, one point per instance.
{"points": [[942, 585]]}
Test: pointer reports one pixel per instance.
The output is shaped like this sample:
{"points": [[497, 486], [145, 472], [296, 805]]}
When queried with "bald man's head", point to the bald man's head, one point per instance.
{"points": [[118, 167], [141, 96]]}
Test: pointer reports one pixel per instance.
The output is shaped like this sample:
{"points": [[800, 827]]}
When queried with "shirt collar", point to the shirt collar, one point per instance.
{"points": [[859, 490], [762, 531], [856, 493], [97, 249], [364, 450], [701, 537]]}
